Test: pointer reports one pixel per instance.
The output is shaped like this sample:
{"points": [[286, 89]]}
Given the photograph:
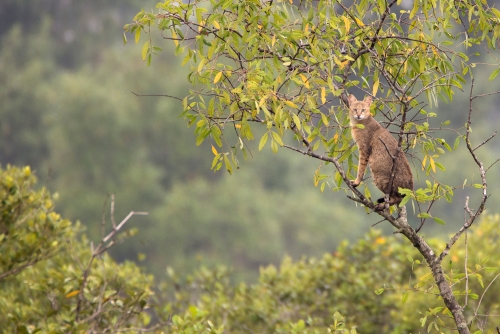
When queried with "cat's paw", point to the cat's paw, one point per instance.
{"points": [[380, 207], [355, 183]]}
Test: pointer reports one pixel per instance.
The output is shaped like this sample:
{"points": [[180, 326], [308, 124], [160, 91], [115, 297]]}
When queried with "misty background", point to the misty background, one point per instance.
{"points": [[67, 110]]}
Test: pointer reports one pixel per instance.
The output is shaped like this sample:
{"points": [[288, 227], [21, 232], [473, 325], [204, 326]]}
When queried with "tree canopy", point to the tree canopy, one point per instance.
{"points": [[280, 72]]}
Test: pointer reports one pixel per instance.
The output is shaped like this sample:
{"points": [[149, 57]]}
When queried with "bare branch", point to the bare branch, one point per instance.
{"points": [[482, 205], [466, 271], [100, 248], [486, 171], [484, 142], [484, 292]]}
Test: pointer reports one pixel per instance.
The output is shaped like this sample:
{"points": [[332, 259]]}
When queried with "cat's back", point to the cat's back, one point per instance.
{"points": [[384, 153]]}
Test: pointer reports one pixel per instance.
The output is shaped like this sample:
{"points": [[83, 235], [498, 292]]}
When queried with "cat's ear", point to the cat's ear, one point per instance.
{"points": [[368, 99], [351, 98]]}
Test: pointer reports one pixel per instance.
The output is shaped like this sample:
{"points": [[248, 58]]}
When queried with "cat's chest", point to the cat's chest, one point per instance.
{"points": [[360, 136]]}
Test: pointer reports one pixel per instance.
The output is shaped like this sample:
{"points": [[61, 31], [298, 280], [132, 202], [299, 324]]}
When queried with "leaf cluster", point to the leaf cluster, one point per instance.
{"points": [[286, 68], [378, 284], [42, 270]]}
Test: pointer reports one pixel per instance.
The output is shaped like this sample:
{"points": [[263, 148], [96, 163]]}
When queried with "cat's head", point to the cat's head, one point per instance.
{"points": [[359, 110]]}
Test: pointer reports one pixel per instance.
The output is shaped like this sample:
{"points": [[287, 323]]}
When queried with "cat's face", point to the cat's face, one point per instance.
{"points": [[359, 110]]}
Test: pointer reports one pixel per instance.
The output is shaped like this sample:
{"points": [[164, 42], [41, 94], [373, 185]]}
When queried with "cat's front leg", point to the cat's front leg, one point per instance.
{"points": [[363, 162]]}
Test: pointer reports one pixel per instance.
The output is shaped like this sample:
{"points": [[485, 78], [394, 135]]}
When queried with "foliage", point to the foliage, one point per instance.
{"points": [[476, 289], [285, 67], [380, 284], [45, 283], [30, 230], [306, 294]]}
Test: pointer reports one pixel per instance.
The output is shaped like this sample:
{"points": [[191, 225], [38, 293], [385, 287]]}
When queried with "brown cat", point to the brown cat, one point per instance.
{"points": [[371, 137]]}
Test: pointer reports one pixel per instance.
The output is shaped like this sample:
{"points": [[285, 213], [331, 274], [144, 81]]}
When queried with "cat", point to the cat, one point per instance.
{"points": [[374, 144]]}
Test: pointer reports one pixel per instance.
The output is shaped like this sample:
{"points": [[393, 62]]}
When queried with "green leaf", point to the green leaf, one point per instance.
{"points": [[296, 121], [274, 146], [263, 140], [405, 297], [379, 291], [457, 141], [137, 34], [277, 138], [404, 201], [227, 163], [490, 269], [424, 215], [494, 74], [145, 50], [439, 220]]}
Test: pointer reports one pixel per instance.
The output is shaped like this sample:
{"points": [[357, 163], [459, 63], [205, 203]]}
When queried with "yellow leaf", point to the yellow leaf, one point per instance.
{"points": [[432, 164], [375, 87], [423, 162], [344, 63], [273, 40], [380, 240], [200, 65], [359, 22], [238, 126], [304, 80], [296, 121], [217, 77], [214, 150], [216, 24], [291, 104], [324, 119], [336, 138], [72, 293], [347, 24], [174, 36], [262, 101], [201, 26], [323, 95], [337, 61]]}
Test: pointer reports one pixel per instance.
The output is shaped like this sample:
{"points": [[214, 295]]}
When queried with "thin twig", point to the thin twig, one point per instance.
{"points": [[383, 220], [482, 204], [157, 95], [99, 249], [484, 292], [466, 272], [484, 142], [491, 165], [117, 228]]}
